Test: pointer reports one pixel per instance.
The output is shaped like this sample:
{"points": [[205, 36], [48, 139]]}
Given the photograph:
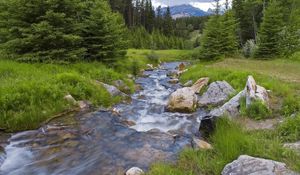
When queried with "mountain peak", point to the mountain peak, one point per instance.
{"points": [[185, 10]]}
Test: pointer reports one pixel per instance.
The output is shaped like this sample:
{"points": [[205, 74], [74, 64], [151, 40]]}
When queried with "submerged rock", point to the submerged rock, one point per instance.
{"points": [[134, 171], [256, 166], [173, 81], [255, 92], [216, 94], [182, 100]]}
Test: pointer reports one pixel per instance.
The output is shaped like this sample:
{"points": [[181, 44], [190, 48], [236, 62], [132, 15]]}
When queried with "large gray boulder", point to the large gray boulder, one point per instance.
{"points": [[182, 100], [216, 94], [247, 165], [230, 108]]}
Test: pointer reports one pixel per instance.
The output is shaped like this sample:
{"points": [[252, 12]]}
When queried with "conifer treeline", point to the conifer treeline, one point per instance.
{"points": [[61, 30], [152, 29], [260, 28]]}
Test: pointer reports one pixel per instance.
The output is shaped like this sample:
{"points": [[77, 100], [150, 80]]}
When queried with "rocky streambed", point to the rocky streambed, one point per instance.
{"points": [[107, 141]]}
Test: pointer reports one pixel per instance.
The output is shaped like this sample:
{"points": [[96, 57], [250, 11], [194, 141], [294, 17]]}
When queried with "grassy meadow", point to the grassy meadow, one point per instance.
{"points": [[231, 139]]}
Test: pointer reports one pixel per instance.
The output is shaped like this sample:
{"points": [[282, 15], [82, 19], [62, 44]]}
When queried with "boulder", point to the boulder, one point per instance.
{"points": [[201, 144], [256, 166], [172, 74], [188, 83], [134, 171], [84, 104], [112, 90], [70, 99], [173, 81], [216, 94], [121, 86], [255, 92], [182, 100], [199, 84], [150, 67], [181, 67], [293, 146], [230, 108]]}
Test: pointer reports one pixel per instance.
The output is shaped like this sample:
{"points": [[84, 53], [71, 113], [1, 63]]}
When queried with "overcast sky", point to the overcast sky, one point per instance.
{"points": [[202, 4]]}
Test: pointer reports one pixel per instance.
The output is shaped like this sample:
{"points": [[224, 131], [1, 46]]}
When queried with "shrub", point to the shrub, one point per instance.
{"points": [[249, 48]]}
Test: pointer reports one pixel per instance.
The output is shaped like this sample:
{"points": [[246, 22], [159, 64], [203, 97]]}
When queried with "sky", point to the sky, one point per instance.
{"points": [[201, 4]]}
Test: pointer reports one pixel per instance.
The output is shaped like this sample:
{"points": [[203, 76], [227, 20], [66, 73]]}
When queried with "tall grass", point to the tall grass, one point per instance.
{"points": [[31, 93], [229, 142]]}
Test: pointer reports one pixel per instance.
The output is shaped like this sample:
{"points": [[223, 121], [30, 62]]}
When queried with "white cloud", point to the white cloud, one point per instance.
{"points": [[157, 4], [202, 5], [207, 5]]}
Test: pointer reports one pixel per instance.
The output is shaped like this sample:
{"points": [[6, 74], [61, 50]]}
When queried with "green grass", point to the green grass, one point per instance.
{"points": [[289, 130], [32, 93], [229, 142]]}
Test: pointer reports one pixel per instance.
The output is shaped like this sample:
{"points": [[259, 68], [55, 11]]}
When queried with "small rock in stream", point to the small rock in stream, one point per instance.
{"points": [[134, 171]]}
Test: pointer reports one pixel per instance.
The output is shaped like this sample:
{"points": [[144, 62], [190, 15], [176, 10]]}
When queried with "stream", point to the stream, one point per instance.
{"points": [[101, 142]]}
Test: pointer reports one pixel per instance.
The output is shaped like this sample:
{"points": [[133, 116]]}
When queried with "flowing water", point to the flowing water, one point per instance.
{"points": [[101, 142]]}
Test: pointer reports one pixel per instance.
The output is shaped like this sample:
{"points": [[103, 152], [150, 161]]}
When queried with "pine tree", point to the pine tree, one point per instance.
{"points": [[103, 33], [61, 30], [269, 34], [229, 34], [211, 41], [168, 23], [44, 30]]}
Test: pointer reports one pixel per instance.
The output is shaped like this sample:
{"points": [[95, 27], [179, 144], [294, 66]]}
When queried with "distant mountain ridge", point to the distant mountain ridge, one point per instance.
{"points": [[185, 10]]}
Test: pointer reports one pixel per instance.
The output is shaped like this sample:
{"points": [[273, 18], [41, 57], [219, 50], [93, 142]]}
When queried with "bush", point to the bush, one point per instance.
{"points": [[249, 48], [289, 130]]}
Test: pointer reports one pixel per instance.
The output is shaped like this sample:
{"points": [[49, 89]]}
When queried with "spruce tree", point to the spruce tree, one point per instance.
{"points": [[61, 30], [103, 33], [211, 40], [44, 30], [229, 34], [269, 34]]}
